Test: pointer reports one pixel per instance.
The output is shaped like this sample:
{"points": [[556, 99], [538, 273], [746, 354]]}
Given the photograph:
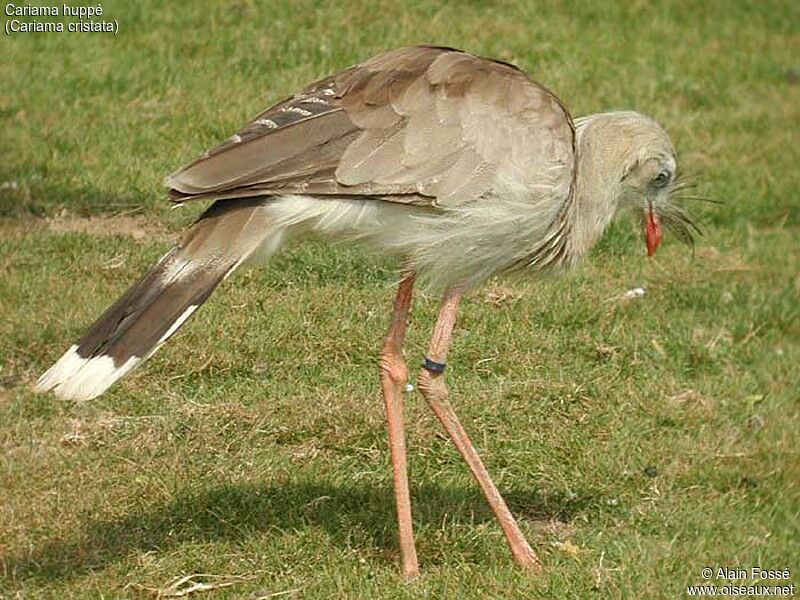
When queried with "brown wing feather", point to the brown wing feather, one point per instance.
{"points": [[422, 125]]}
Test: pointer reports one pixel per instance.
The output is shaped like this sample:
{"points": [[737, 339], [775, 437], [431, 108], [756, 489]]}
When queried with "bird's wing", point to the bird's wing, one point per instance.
{"points": [[422, 125]]}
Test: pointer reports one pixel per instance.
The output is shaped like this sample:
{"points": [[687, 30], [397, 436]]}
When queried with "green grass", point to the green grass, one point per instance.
{"points": [[637, 442]]}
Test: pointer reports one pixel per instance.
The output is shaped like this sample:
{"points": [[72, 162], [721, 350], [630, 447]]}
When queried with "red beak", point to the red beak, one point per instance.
{"points": [[652, 232]]}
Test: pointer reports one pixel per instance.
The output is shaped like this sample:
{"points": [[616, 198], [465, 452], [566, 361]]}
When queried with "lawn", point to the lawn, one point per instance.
{"points": [[638, 441]]}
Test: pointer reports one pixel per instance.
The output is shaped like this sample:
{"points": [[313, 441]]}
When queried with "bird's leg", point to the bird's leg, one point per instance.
{"points": [[432, 385], [394, 375]]}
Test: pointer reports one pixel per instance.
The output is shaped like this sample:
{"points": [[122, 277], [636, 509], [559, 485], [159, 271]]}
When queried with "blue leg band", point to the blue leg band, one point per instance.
{"points": [[433, 366]]}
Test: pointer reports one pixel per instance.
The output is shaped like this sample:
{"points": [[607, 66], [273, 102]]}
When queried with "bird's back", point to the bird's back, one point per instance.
{"points": [[426, 125]]}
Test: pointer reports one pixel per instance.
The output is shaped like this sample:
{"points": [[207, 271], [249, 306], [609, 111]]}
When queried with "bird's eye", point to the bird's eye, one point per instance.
{"points": [[661, 179]]}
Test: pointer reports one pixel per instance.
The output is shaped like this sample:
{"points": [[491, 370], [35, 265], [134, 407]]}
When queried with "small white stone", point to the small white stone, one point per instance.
{"points": [[409, 387], [637, 292]]}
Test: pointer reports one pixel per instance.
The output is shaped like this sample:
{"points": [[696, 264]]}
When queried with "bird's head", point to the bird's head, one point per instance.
{"points": [[638, 158]]}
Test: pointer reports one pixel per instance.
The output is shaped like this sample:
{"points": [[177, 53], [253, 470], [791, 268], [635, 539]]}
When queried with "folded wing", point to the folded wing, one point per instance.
{"points": [[420, 125]]}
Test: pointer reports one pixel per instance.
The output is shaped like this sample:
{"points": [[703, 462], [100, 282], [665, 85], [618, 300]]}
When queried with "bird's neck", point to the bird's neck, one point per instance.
{"points": [[597, 189]]}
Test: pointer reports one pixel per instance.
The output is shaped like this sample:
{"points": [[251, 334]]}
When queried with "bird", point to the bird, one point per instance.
{"points": [[462, 166]]}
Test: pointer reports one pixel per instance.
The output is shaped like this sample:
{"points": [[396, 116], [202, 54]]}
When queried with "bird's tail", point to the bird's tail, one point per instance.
{"points": [[154, 307]]}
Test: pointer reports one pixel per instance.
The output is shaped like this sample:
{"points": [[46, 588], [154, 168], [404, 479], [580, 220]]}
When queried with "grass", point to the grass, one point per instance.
{"points": [[637, 441]]}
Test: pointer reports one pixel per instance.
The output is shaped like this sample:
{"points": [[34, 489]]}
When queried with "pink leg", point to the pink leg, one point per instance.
{"points": [[394, 375], [431, 384]]}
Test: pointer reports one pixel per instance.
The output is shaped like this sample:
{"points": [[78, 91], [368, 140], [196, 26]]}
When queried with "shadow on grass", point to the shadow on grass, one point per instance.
{"points": [[239, 512]]}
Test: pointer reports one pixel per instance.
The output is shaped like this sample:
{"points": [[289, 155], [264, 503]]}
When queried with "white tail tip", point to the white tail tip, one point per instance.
{"points": [[76, 378]]}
